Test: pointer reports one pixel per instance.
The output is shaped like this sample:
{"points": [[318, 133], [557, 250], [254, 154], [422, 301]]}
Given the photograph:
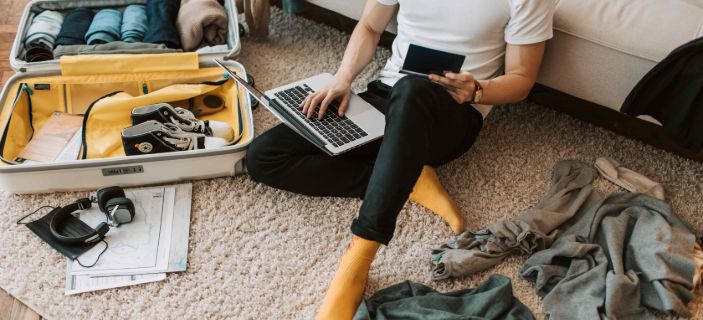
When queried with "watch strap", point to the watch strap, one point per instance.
{"points": [[478, 92]]}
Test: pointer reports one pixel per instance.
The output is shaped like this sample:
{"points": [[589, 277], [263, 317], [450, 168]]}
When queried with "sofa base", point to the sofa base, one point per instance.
{"points": [[609, 119], [335, 20]]}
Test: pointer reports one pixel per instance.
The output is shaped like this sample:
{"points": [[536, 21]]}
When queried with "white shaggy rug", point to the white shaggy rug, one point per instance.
{"points": [[260, 253]]}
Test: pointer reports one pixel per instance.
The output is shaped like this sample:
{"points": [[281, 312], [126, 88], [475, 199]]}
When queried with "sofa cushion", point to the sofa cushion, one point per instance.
{"points": [[648, 29], [696, 3], [629, 26]]}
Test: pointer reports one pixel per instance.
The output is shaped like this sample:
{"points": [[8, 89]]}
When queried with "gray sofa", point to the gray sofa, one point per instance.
{"points": [[601, 49]]}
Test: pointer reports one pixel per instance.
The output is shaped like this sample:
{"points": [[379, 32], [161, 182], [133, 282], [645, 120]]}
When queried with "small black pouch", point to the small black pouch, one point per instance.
{"points": [[72, 226]]}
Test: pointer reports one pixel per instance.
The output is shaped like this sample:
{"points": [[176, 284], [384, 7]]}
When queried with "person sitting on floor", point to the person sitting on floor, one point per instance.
{"points": [[429, 121]]}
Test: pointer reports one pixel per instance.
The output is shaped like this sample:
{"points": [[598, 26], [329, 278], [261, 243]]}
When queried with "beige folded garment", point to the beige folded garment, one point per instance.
{"points": [[116, 47], [201, 23], [698, 259], [257, 14], [630, 180]]}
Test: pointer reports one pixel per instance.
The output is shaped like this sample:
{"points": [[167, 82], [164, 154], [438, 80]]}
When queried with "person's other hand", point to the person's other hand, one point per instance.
{"points": [[339, 89], [460, 86]]}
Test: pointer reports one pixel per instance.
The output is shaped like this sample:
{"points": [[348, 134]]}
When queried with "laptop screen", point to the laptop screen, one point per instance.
{"points": [[252, 90]]}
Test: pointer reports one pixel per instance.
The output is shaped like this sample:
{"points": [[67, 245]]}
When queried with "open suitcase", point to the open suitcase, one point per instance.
{"points": [[104, 88]]}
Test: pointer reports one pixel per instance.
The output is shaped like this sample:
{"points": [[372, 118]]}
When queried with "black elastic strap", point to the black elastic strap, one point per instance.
{"points": [[21, 220]]}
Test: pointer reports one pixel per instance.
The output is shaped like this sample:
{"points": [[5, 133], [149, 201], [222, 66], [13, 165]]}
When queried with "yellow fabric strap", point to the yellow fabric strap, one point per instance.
{"points": [[128, 63], [108, 116]]}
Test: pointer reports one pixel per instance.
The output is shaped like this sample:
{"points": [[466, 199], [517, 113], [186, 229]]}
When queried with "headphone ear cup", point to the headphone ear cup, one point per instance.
{"points": [[125, 212], [101, 230], [105, 194]]}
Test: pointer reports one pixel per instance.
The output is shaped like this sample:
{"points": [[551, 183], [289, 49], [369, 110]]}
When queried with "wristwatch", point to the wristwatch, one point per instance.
{"points": [[478, 92]]}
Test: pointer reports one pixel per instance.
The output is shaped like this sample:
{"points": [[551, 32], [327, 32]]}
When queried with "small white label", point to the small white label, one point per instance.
{"points": [[116, 171]]}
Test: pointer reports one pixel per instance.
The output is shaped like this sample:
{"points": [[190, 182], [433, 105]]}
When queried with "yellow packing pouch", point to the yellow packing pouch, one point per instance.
{"points": [[107, 116]]}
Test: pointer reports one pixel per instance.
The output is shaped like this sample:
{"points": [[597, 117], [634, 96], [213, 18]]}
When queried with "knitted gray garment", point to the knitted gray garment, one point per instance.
{"points": [[591, 257], [628, 252]]}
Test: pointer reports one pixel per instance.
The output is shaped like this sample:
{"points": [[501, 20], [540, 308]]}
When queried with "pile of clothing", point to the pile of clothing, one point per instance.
{"points": [[159, 26], [592, 256], [492, 299]]}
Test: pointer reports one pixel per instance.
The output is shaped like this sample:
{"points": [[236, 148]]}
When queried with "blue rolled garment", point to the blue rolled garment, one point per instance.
{"points": [[44, 28], [106, 27], [161, 16], [293, 6], [75, 26], [134, 23]]}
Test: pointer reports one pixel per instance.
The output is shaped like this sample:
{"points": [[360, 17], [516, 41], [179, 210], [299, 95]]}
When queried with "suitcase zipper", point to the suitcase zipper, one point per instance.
{"points": [[84, 146], [65, 99], [240, 129]]}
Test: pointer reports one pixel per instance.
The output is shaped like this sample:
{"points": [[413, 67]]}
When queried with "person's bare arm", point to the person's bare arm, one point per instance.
{"points": [[360, 50], [522, 64]]}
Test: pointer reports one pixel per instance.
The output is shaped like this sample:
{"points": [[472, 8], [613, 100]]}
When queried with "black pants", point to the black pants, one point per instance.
{"points": [[424, 125]]}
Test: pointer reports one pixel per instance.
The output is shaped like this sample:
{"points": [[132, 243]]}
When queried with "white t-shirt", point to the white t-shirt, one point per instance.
{"points": [[477, 29]]}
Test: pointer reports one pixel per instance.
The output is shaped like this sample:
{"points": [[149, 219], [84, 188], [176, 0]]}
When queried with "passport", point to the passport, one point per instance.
{"points": [[422, 61]]}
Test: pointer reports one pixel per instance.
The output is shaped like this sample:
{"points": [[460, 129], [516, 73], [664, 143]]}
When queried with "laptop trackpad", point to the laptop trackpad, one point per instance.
{"points": [[357, 106]]}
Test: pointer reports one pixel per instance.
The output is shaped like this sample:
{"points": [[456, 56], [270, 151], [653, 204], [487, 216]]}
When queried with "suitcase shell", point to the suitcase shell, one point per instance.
{"points": [[90, 174]]}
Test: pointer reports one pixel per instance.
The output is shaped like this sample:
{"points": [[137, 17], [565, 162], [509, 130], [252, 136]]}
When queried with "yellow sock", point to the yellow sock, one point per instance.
{"points": [[347, 287], [430, 193]]}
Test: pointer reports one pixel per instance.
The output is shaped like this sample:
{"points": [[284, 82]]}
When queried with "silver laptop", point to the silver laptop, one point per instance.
{"points": [[361, 124]]}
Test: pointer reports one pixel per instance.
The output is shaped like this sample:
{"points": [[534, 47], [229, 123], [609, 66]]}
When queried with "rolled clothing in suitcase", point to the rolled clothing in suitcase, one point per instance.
{"points": [[17, 58]]}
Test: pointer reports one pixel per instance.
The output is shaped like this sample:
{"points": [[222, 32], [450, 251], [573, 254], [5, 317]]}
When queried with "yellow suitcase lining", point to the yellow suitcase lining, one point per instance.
{"points": [[107, 96]]}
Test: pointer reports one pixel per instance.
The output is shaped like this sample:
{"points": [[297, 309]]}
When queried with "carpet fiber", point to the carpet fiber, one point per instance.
{"points": [[260, 253]]}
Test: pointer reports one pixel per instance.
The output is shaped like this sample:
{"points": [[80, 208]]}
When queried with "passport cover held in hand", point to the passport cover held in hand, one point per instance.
{"points": [[423, 61]]}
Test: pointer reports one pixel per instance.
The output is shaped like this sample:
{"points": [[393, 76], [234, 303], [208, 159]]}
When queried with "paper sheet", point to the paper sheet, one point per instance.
{"points": [[139, 247], [81, 284], [57, 132], [72, 150], [177, 254]]}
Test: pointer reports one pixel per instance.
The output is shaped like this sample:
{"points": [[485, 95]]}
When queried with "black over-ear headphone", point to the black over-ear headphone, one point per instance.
{"points": [[111, 201], [63, 212]]}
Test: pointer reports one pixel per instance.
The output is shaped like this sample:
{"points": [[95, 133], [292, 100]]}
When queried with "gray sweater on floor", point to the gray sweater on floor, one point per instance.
{"points": [[592, 257]]}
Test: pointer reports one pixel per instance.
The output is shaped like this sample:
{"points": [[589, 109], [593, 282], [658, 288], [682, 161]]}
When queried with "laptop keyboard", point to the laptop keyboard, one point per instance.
{"points": [[337, 130]]}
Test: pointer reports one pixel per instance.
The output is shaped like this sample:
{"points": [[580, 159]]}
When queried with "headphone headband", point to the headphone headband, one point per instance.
{"points": [[63, 213], [111, 201]]}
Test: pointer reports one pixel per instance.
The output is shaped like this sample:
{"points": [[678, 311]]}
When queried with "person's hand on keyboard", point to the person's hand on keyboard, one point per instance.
{"points": [[337, 90]]}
